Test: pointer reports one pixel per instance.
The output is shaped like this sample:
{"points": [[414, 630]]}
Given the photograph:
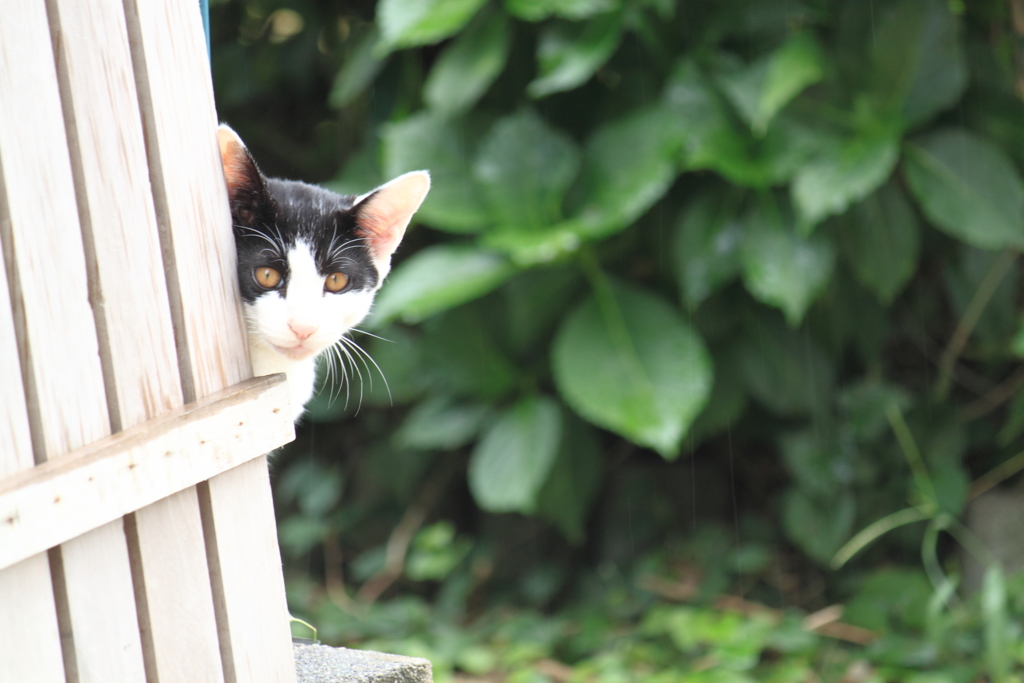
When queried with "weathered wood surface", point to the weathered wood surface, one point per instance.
{"points": [[48, 504], [29, 637], [176, 100], [49, 288], [118, 303], [174, 565], [142, 370]]}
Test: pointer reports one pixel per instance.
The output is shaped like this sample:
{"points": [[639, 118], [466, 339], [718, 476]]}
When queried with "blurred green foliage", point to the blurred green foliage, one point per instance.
{"points": [[684, 270]]}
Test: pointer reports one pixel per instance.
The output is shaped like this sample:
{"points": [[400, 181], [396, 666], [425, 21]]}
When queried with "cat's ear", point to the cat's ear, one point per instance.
{"points": [[383, 215], [246, 189]]}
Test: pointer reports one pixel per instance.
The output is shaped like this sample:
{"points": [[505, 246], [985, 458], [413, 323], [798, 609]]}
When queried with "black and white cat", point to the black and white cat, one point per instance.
{"points": [[309, 261]]}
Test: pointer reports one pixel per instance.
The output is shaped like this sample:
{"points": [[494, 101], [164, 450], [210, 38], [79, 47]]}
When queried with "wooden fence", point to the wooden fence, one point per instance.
{"points": [[137, 535]]}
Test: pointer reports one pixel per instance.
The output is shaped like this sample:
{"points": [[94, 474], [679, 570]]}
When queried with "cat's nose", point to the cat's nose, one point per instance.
{"points": [[301, 331]]}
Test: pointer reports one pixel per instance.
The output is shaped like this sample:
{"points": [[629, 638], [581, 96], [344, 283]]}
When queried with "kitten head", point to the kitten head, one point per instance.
{"points": [[310, 260]]}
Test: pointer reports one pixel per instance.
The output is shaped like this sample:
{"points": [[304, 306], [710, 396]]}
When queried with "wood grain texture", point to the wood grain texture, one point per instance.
{"points": [[182, 644], [71, 494], [15, 439], [29, 639], [132, 308], [115, 202], [46, 268], [245, 562], [107, 646], [176, 98], [43, 242]]}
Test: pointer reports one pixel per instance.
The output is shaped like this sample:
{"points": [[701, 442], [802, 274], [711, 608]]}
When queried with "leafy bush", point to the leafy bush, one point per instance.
{"points": [[731, 261]]}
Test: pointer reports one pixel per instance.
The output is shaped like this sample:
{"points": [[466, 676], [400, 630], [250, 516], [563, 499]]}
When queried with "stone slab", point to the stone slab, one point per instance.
{"points": [[324, 664]]}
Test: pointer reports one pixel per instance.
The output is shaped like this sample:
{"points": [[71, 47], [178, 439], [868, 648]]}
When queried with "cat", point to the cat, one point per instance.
{"points": [[310, 261]]}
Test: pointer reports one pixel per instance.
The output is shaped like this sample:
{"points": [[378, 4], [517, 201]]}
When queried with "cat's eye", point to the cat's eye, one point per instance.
{"points": [[267, 277], [336, 282]]}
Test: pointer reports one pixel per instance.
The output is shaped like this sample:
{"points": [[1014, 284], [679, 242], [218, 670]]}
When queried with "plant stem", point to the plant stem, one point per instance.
{"points": [[997, 474], [876, 529], [996, 272], [913, 456]]}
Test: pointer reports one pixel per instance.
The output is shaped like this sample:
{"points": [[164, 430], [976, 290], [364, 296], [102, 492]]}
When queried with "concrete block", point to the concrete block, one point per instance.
{"points": [[997, 519], [324, 664]]}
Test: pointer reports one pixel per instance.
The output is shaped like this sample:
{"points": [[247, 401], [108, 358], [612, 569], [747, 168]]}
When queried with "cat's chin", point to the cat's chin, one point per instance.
{"points": [[297, 353]]}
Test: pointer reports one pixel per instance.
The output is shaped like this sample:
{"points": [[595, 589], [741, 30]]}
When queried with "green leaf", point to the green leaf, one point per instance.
{"points": [[511, 462], [467, 67], [781, 267], [524, 167], [405, 23], [967, 187], [361, 171], [441, 423], [438, 278], [891, 598], [568, 54], [573, 482], [997, 627], [943, 449], [703, 118], [769, 84], [707, 245], [432, 142], [435, 552], [536, 10], [816, 462], [711, 140], [819, 527], [881, 238], [629, 363], [628, 165], [462, 358], [361, 66], [857, 168], [783, 368], [864, 407], [530, 248], [918, 62]]}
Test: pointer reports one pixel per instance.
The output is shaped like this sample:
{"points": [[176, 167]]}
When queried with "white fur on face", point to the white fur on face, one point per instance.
{"points": [[305, 306]]}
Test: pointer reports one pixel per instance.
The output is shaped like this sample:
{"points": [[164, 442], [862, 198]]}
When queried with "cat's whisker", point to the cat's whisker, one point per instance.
{"points": [[262, 236], [342, 248], [351, 344], [345, 377], [335, 379], [359, 372], [361, 350], [371, 334]]}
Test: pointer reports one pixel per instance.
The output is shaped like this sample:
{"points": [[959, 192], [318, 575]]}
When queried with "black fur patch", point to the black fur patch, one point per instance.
{"points": [[272, 215]]}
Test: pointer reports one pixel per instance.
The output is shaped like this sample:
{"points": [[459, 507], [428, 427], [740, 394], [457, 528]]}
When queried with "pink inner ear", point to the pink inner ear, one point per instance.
{"points": [[234, 159], [385, 214]]}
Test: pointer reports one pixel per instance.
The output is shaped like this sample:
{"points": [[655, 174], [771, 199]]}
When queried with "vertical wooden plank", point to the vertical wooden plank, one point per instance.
{"points": [[29, 640], [101, 607], [115, 202], [43, 243], [54, 324], [244, 560], [176, 98], [15, 441], [101, 106], [177, 620]]}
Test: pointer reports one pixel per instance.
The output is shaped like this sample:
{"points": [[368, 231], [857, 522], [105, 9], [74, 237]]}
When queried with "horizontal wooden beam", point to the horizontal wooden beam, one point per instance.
{"points": [[84, 489]]}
